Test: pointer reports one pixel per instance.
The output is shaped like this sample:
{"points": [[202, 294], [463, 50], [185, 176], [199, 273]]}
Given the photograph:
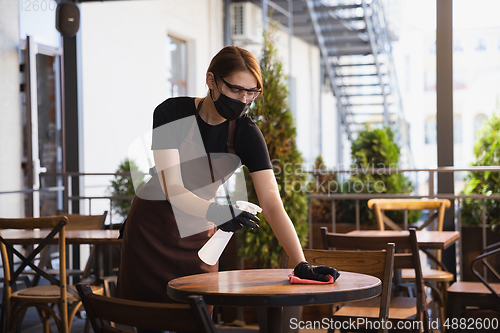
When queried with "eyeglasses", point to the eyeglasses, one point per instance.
{"points": [[250, 94]]}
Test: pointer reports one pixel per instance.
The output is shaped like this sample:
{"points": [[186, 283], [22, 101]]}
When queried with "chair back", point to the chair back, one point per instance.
{"points": [[490, 251], [380, 205], [406, 256], [379, 263], [85, 222], [75, 222], [56, 225], [103, 310]]}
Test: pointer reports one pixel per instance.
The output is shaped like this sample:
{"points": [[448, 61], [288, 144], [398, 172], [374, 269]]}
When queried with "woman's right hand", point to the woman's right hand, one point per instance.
{"points": [[318, 273], [229, 218]]}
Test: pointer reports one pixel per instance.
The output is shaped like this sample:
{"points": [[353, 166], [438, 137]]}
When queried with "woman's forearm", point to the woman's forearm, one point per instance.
{"points": [[285, 232], [169, 175]]}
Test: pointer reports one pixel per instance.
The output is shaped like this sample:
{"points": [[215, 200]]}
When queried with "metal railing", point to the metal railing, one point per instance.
{"points": [[66, 190], [432, 175], [457, 199], [432, 192]]}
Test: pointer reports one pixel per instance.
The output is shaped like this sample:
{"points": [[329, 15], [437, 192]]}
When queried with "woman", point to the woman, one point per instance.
{"points": [[162, 237]]}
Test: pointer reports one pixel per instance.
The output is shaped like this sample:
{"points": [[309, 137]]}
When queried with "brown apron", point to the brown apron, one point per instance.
{"points": [[153, 251]]}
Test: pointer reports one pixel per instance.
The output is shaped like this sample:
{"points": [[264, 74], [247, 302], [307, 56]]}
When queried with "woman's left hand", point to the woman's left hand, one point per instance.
{"points": [[235, 217], [318, 273]]}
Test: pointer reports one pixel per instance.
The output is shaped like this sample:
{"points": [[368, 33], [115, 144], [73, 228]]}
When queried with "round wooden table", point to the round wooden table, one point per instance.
{"points": [[271, 288]]}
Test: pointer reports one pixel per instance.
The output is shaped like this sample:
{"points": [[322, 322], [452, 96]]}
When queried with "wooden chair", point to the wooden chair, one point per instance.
{"points": [[402, 309], [377, 263], [75, 222], [438, 278], [481, 295], [380, 205], [44, 298], [103, 311]]}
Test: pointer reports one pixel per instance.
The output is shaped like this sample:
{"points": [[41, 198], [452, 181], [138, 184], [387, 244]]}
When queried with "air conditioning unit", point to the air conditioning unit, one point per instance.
{"points": [[246, 23]]}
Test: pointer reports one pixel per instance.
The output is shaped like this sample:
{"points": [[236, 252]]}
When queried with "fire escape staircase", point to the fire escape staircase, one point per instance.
{"points": [[356, 56], [357, 59]]}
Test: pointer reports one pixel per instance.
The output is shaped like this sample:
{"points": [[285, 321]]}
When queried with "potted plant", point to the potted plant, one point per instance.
{"points": [[123, 186], [376, 149], [324, 182]]}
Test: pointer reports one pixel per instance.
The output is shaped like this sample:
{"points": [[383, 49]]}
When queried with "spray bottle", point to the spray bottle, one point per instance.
{"points": [[211, 251]]}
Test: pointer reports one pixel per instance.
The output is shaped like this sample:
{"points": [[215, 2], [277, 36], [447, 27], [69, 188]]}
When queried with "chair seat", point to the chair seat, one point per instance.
{"points": [[48, 294], [437, 275], [473, 288], [400, 308]]}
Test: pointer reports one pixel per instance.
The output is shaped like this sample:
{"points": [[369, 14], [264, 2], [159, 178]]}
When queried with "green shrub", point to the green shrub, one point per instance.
{"points": [[376, 149], [323, 182], [124, 186], [486, 153]]}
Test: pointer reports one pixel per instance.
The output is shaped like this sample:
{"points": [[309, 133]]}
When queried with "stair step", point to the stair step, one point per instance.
{"points": [[364, 85], [356, 65], [349, 42], [357, 75], [340, 19], [347, 39], [353, 50], [346, 34], [343, 32], [359, 95], [362, 46], [350, 53], [328, 8], [365, 113], [364, 104], [339, 28]]}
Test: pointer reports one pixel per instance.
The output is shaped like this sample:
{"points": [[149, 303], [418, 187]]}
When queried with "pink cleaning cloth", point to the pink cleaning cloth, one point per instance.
{"points": [[296, 280]]}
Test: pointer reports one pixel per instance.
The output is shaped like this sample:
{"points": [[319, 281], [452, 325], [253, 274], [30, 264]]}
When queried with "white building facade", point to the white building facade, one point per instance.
{"points": [[126, 67]]}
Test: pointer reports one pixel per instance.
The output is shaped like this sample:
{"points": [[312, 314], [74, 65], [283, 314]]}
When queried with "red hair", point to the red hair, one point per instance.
{"points": [[232, 59]]}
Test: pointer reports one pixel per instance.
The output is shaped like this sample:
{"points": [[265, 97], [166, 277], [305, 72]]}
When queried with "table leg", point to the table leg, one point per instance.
{"points": [[274, 319], [98, 263], [397, 282]]}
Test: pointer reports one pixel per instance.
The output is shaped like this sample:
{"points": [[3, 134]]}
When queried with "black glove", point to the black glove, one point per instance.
{"points": [[228, 218], [318, 273]]}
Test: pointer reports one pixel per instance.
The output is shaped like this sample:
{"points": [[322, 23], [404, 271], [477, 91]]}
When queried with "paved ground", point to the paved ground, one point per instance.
{"points": [[31, 324]]}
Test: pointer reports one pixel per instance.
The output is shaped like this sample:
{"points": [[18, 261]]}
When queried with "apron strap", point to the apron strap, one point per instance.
{"points": [[230, 137], [198, 108]]}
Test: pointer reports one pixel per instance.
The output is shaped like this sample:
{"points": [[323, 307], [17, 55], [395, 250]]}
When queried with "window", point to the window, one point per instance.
{"points": [[430, 130], [481, 44], [176, 54], [408, 73], [478, 122], [457, 129], [430, 80], [432, 47], [457, 46]]}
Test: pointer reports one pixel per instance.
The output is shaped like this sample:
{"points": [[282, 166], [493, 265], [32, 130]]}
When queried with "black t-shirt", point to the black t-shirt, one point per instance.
{"points": [[249, 143]]}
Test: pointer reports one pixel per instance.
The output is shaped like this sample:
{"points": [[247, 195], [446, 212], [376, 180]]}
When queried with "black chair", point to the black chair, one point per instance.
{"points": [[103, 312], [377, 263], [402, 309], [468, 296]]}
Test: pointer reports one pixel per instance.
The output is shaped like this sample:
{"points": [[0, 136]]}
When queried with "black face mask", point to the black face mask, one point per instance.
{"points": [[228, 107]]}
